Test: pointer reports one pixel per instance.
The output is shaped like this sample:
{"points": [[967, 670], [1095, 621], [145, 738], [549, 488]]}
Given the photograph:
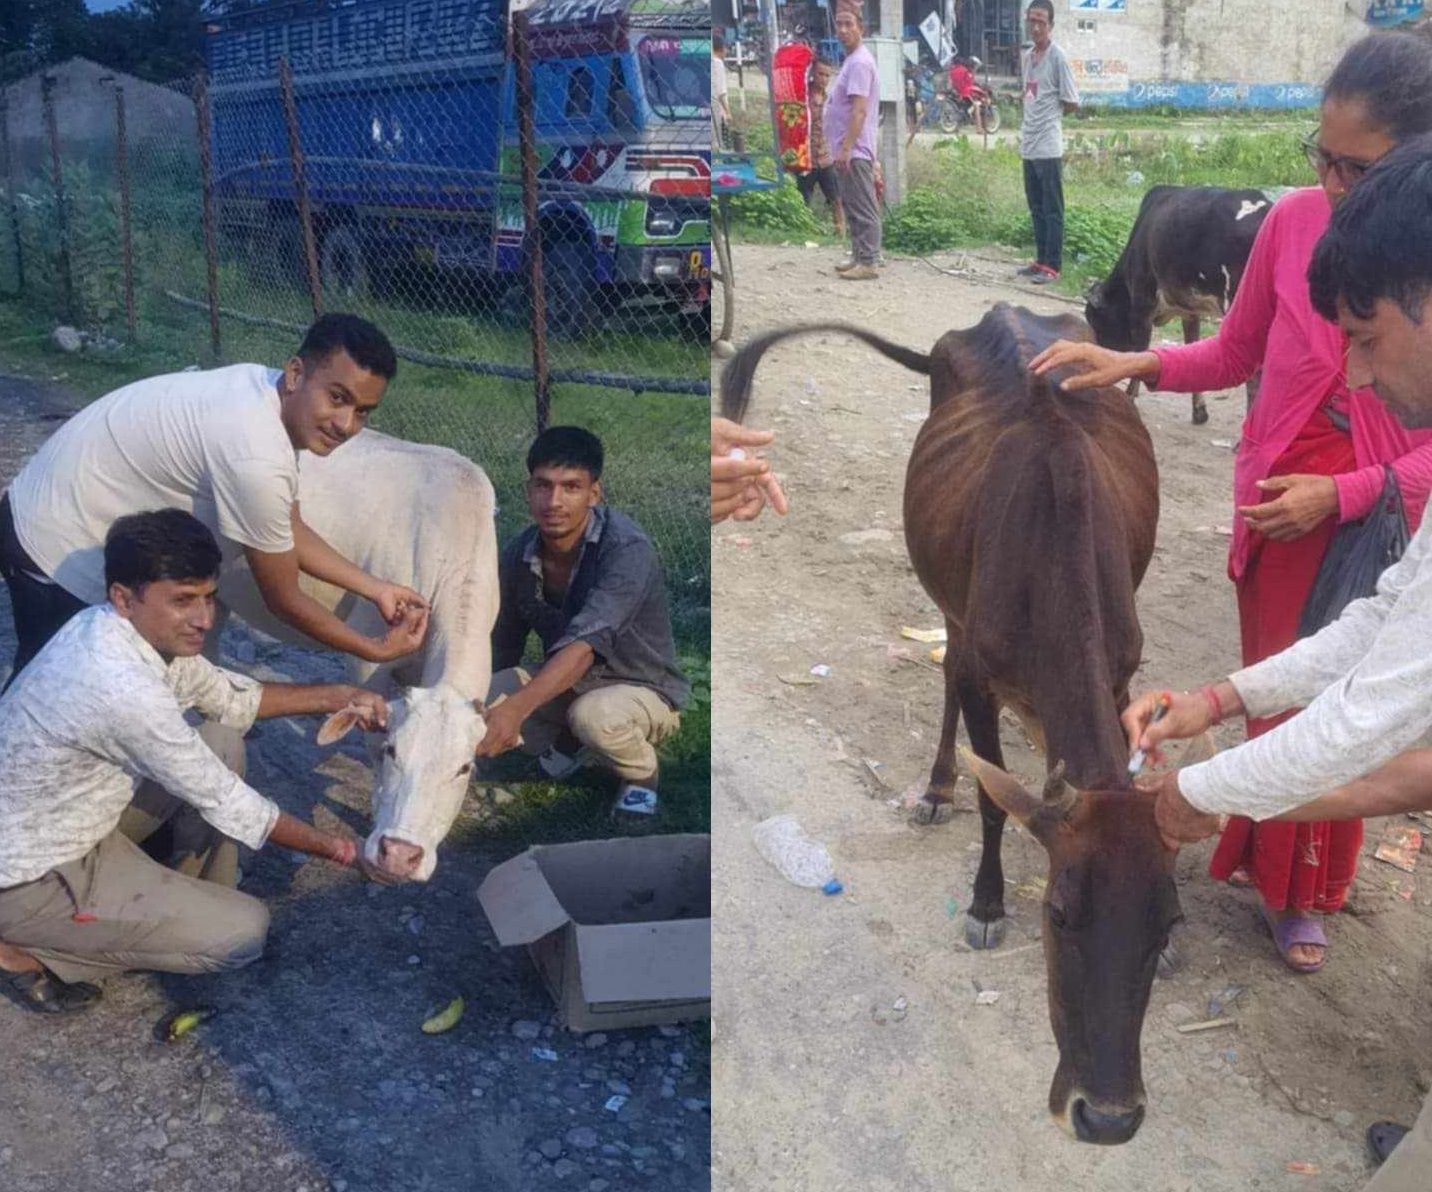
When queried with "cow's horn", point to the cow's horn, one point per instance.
{"points": [[1057, 790]]}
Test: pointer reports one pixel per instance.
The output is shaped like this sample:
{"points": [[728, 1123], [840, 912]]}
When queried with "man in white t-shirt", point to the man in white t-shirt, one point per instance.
{"points": [[223, 446]]}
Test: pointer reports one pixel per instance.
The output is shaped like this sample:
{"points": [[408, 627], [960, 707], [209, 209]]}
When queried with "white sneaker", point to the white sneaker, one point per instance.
{"points": [[638, 800]]}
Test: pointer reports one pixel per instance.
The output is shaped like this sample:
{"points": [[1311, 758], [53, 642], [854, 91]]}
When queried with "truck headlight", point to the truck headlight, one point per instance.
{"points": [[667, 268]]}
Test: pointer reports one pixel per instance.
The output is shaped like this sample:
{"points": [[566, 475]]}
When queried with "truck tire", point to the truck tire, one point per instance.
{"points": [[278, 260], [343, 267], [568, 282]]}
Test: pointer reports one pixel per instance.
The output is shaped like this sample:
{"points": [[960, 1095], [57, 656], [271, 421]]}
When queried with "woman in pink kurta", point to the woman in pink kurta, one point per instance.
{"points": [[1311, 453]]}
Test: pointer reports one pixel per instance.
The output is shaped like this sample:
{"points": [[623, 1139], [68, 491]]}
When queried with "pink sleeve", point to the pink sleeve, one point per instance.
{"points": [[1358, 491], [1236, 352]]}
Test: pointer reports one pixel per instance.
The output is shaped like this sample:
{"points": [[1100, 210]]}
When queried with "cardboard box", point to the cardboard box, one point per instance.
{"points": [[619, 929]]}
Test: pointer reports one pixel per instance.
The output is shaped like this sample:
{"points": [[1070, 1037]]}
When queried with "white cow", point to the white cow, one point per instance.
{"points": [[421, 516]]}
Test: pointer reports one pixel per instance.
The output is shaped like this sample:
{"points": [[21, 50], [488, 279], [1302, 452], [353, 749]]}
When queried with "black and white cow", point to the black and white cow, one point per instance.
{"points": [[1185, 257]]}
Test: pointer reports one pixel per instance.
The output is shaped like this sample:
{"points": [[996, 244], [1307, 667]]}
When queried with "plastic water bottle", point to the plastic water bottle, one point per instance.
{"points": [[802, 861]]}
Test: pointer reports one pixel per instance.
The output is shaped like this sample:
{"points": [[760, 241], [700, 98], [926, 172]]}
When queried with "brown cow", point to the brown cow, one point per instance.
{"points": [[1030, 517]]}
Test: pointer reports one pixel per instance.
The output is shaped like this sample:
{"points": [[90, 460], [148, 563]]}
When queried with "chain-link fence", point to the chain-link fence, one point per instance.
{"points": [[522, 204]]}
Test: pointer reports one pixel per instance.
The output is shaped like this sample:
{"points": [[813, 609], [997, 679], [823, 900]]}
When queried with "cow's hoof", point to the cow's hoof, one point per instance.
{"points": [[1200, 414], [983, 936], [932, 810]]}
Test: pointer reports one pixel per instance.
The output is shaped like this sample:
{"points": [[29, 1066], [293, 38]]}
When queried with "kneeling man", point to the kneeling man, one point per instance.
{"points": [[99, 710], [587, 581]]}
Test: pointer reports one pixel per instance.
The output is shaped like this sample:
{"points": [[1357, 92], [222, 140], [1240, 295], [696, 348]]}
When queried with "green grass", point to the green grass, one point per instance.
{"points": [[580, 808], [961, 194]]}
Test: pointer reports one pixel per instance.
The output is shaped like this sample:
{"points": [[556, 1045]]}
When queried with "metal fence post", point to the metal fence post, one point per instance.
{"points": [[125, 242], [10, 192], [206, 179], [300, 186], [47, 99], [527, 139]]}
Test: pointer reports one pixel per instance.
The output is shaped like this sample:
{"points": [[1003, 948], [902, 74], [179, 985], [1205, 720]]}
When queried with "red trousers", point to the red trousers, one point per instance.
{"points": [[1299, 866]]}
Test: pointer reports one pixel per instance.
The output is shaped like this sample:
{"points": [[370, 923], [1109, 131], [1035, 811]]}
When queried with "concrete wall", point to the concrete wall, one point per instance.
{"points": [[1273, 42]]}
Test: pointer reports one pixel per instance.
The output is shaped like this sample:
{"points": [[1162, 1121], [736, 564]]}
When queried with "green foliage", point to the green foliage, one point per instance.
{"points": [[1094, 237], [781, 210], [928, 220]]}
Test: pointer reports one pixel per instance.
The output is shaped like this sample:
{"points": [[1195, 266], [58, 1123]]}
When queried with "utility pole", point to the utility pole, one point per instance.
{"points": [[892, 109]]}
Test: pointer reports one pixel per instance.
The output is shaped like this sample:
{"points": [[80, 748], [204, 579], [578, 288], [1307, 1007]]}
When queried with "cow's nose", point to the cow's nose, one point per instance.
{"points": [[1105, 1129], [399, 857]]}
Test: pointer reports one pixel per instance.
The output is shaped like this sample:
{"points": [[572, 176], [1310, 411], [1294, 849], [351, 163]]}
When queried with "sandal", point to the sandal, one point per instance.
{"points": [[1240, 878], [44, 993], [1294, 930], [1382, 1139]]}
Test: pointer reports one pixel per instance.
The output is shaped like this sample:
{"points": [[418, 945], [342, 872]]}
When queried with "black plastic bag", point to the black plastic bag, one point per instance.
{"points": [[1359, 552]]}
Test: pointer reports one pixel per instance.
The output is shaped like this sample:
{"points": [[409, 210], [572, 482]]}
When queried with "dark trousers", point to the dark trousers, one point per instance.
{"points": [[40, 610], [1044, 192]]}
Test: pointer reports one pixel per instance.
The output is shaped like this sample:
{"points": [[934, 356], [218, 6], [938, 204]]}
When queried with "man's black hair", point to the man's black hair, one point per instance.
{"points": [[1044, 6], [566, 447], [369, 348], [1379, 241], [718, 43], [141, 548], [1391, 74]]}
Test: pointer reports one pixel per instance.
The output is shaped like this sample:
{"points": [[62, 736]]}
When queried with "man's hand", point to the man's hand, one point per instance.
{"points": [[1188, 715], [1101, 366], [1307, 502], [741, 485], [403, 638], [1179, 822], [393, 599], [370, 707], [504, 728]]}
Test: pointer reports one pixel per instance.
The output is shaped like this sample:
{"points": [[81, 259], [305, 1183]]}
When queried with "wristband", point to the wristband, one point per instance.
{"points": [[1215, 705]]}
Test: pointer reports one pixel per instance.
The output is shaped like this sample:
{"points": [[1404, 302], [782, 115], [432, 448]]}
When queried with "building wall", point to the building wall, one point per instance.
{"points": [[1124, 48]]}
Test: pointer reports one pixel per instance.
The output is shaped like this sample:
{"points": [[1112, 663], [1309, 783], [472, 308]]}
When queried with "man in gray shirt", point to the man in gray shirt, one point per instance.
{"points": [[588, 582], [1049, 93]]}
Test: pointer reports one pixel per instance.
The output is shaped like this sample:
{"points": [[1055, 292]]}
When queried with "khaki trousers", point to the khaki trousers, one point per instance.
{"points": [[115, 908], [622, 724], [1407, 1168]]}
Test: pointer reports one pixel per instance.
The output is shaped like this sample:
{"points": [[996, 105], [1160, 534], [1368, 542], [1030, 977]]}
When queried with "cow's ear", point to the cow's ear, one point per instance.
{"points": [[1038, 817], [339, 725]]}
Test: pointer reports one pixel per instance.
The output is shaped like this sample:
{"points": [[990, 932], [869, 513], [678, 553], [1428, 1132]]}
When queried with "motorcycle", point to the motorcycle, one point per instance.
{"points": [[927, 107], [968, 101]]}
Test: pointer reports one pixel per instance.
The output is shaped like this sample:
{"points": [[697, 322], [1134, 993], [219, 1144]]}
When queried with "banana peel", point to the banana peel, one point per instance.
{"points": [[445, 1019], [174, 1026]]}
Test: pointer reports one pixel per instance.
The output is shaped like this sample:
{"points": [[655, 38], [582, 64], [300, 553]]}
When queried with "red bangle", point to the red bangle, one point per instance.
{"points": [[1215, 705]]}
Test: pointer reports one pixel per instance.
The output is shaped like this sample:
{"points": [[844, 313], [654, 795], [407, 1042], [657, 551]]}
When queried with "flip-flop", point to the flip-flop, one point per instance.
{"points": [[1382, 1139], [1240, 879], [1304, 929]]}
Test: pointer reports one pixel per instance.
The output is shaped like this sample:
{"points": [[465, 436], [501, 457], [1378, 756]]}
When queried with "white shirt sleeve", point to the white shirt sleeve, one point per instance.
{"points": [[221, 695], [146, 734], [254, 496], [1367, 682]]}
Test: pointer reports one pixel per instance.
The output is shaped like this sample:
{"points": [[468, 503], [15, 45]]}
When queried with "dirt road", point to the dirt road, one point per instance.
{"points": [[820, 1082]]}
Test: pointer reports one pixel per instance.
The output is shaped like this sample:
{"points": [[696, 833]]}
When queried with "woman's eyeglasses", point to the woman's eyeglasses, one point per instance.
{"points": [[1348, 169]]}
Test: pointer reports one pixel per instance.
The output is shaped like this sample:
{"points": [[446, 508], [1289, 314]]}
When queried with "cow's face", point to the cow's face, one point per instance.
{"points": [[422, 767], [1110, 902], [1106, 309]]}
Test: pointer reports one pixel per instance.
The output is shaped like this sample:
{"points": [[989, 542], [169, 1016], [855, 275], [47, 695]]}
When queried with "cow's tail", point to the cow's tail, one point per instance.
{"points": [[736, 379]]}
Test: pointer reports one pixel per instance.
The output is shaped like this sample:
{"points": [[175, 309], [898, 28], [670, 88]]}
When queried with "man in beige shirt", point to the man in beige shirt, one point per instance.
{"points": [[99, 715]]}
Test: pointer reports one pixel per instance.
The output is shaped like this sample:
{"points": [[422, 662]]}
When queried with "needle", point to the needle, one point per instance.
{"points": [[1136, 763]]}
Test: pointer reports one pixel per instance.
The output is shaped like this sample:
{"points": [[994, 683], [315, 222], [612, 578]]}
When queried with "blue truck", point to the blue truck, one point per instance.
{"points": [[406, 111]]}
